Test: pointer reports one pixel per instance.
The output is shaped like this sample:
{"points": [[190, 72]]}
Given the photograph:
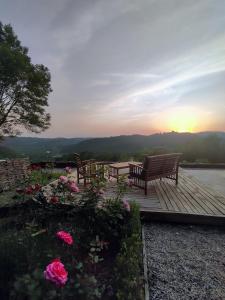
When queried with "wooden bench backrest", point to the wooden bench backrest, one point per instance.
{"points": [[78, 160], [161, 164]]}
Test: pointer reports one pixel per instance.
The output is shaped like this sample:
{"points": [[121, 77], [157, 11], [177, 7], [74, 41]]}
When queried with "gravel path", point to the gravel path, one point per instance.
{"points": [[185, 262]]}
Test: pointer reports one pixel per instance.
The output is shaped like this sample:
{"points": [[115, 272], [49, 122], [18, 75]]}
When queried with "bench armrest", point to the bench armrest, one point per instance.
{"points": [[140, 165]]}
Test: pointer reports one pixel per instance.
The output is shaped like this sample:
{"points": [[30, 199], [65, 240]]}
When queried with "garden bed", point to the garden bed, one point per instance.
{"points": [[103, 257]]}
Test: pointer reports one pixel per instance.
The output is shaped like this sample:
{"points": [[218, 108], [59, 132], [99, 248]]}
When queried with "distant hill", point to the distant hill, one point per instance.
{"points": [[134, 143], [38, 148], [6, 153], [220, 134], [47, 148]]}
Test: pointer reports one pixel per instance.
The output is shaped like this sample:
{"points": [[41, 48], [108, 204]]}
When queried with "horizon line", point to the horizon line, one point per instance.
{"points": [[110, 136]]}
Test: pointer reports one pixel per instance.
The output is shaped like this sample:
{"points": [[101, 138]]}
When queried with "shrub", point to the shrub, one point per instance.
{"points": [[128, 280], [90, 238]]}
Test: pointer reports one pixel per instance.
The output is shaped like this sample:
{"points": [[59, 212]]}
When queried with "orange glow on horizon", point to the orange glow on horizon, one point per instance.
{"points": [[182, 123], [184, 120]]}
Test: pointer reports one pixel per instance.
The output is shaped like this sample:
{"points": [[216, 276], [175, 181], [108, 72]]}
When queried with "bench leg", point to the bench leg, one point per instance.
{"points": [[177, 179]]}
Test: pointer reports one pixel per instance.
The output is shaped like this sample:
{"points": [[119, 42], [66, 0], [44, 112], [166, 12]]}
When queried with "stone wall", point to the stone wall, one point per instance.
{"points": [[12, 172]]}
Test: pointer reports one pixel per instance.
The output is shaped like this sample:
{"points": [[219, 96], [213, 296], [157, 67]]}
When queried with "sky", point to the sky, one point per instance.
{"points": [[127, 66]]}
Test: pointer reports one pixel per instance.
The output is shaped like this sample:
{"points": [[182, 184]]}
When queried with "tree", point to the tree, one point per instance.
{"points": [[24, 87]]}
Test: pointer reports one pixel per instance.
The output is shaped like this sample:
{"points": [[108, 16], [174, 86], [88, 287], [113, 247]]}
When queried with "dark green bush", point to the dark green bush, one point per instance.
{"points": [[32, 237], [128, 265]]}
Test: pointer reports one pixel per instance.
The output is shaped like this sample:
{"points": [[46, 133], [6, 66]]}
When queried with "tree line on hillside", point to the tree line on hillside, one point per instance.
{"points": [[210, 148], [199, 149]]}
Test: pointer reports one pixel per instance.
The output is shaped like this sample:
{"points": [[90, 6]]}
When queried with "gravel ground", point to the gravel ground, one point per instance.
{"points": [[185, 262]]}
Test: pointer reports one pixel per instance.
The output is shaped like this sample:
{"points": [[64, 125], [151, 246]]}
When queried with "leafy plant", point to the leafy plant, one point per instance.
{"points": [[90, 237], [128, 262]]}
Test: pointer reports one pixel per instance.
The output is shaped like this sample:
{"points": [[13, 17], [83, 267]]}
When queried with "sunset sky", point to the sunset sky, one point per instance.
{"points": [[127, 66]]}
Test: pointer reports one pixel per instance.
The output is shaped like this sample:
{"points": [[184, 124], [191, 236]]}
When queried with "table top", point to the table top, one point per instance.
{"points": [[123, 165]]}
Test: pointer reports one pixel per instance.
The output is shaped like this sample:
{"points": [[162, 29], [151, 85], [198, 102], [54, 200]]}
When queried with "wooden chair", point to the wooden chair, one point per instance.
{"points": [[155, 167], [87, 169]]}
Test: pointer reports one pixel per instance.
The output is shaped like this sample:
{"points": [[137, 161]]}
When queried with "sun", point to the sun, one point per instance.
{"points": [[182, 121]]}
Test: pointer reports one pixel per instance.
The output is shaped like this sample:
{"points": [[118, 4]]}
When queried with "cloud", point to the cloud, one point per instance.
{"points": [[204, 61], [135, 75], [123, 61], [100, 83], [84, 20]]}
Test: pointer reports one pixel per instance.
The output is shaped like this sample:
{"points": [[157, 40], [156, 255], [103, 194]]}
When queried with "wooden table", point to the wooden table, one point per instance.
{"points": [[114, 169]]}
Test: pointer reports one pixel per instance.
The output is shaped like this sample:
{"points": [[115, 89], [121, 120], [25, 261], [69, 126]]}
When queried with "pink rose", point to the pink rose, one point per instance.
{"points": [[56, 273], [36, 187], [68, 170], [54, 199], [73, 187], [63, 179], [65, 236], [28, 190], [126, 205]]}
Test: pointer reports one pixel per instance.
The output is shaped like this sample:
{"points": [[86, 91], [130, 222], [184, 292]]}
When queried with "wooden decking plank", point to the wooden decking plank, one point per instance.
{"points": [[170, 198], [202, 201], [164, 197], [190, 200], [169, 188], [208, 200], [197, 207], [203, 186], [160, 199], [209, 193], [146, 202], [185, 204]]}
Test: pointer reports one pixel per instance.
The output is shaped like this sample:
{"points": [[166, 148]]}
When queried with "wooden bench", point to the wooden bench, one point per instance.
{"points": [[155, 167]]}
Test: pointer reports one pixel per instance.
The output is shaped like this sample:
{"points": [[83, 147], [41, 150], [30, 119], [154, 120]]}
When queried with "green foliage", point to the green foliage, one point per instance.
{"points": [[29, 286], [24, 87], [36, 177], [128, 281], [92, 195], [210, 148], [40, 176], [104, 233]]}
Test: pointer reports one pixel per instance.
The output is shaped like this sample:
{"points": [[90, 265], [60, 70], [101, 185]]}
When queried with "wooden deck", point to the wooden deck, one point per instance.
{"points": [[188, 202]]}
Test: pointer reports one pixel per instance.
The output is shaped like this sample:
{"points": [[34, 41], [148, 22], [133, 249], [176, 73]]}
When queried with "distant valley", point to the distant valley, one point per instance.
{"points": [[62, 148]]}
